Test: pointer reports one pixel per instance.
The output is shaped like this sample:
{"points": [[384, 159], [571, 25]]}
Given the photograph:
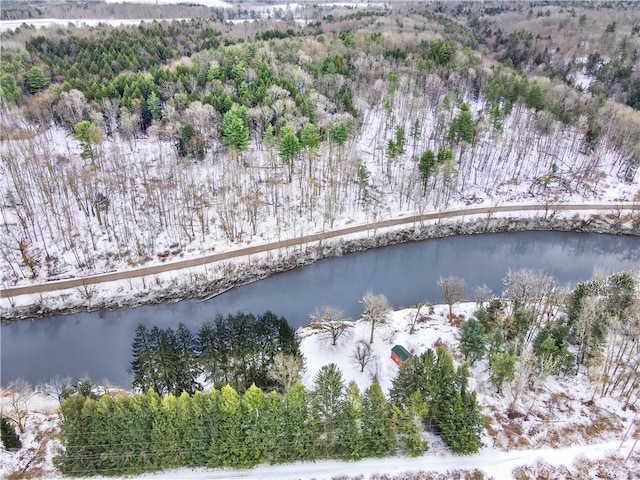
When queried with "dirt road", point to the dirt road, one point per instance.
{"points": [[216, 257]]}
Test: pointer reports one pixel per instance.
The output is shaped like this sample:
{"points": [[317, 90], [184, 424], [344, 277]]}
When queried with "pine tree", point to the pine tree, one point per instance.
{"points": [[473, 341], [462, 127], [377, 426], [309, 141], [273, 418], [289, 148], [349, 442], [227, 444], [326, 397], [427, 167], [88, 135], [165, 435], [154, 104], [36, 79], [460, 423], [409, 422], [234, 130], [255, 422], [503, 367], [10, 438], [144, 376], [300, 431], [187, 355]]}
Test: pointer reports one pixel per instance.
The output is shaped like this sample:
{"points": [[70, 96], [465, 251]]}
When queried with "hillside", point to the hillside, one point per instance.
{"points": [[126, 146], [203, 142]]}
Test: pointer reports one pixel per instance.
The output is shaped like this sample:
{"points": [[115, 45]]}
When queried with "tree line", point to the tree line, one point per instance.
{"points": [[223, 428], [238, 350]]}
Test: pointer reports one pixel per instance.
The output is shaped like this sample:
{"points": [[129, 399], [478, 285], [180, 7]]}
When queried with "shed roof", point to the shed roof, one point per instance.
{"points": [[402, 353]]}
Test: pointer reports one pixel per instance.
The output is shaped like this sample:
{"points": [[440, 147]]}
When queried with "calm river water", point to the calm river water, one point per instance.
{"points": [[98, 344]]}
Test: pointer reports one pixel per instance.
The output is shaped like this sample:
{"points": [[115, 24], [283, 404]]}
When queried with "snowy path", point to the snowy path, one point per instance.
{"points": [[207, 259], [496, 464]]}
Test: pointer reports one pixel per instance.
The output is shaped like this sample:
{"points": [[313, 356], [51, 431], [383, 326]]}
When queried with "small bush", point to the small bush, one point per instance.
{"points": [[10, 438]]}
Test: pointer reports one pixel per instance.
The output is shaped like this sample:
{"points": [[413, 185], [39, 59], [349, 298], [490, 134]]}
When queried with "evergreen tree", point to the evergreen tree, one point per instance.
{"points": [[227, 444], [462, 127], [289, 147], [427, 167], [473, 340], [408, 419], [88, 135], [350, 442], [183, 143], [10, 438], [273, 418], [377, 426], [430, 383], [535, 97], [399, 139], [197, 416], [255, 423], [234, 130], [338, 133], [503, 368], [187, 358], [445, 154], [154, 104], [551, 346], [36, 79], [326, 397], [300, 431], [309, 137], [165, 434], [309, 141], [460, 423], [144, 376]]}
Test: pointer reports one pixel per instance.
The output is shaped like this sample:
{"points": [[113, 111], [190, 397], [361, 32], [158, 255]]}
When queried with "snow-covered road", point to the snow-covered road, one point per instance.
{"points": [[207, 259], [494, 463]]}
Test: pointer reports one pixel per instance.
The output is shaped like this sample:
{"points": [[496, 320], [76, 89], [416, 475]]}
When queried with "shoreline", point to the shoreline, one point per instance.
{"points": [[294, 253]]}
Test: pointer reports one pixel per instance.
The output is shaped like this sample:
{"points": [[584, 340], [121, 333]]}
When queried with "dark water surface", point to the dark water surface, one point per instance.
{"points": [[98, 344]]}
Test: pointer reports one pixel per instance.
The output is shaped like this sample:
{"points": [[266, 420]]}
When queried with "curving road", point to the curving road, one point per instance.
{"points": [[216, 257]]}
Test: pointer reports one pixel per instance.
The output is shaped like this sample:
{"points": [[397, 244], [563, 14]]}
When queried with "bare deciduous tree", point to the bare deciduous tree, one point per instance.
{"points": [[453, 289], [482, 294], [412, 320], [362, 354], [17, 394], [533, 291], [332, 321], [376, 309], [286, 370]]}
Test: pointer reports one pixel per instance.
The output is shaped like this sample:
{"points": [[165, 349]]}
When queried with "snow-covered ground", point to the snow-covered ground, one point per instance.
{"points": [[564, 401], [207, 3]]}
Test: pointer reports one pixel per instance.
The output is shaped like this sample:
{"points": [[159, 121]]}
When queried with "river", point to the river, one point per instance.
{"points": [[97, 344]]}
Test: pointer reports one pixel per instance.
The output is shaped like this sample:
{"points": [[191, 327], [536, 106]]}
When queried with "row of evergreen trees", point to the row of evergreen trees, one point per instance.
{"points": [[223, 428], [237, 350]]}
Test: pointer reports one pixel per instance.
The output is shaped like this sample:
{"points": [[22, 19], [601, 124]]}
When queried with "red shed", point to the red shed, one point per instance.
{"points": [[400, 355]]}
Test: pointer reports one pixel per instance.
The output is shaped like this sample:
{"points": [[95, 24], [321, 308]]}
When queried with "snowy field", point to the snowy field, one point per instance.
{"points": [[564, 400]]}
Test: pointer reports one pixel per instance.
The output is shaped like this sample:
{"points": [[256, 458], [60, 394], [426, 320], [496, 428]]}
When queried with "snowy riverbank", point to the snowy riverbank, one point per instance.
{"points": [[555, 432], [207, 281]]}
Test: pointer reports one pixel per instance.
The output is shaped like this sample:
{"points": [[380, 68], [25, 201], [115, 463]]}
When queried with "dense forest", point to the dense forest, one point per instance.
{"points": [[122, 145]]}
